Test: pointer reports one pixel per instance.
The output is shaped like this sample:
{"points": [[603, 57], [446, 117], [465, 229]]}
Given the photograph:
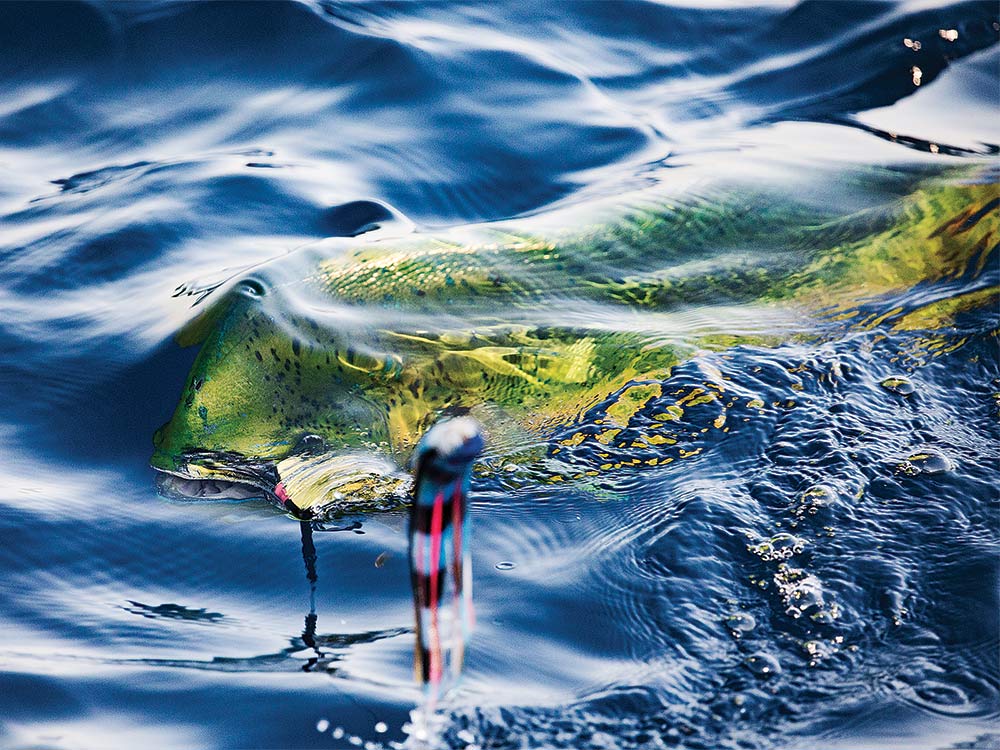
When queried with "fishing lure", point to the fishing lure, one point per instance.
{"points": [[440, 567]]}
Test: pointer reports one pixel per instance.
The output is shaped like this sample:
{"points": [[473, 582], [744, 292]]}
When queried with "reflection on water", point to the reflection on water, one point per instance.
{"points": [[783, 534]]}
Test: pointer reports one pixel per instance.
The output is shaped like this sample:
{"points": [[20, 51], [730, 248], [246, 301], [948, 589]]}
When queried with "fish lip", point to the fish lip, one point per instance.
{"points": [[224, 465], [233, 468], [172, 491]]}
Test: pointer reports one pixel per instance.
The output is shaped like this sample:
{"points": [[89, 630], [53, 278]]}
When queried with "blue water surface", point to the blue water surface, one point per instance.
{"points": [[150, 150]]}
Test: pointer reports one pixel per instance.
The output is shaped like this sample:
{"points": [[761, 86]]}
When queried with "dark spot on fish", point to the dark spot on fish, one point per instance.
{"points": [[296, 347], [258, 356]]}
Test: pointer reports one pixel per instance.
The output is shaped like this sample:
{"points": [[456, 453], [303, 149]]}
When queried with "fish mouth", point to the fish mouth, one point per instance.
{"points": [[207, 475], [306, 485], [176, 486]]}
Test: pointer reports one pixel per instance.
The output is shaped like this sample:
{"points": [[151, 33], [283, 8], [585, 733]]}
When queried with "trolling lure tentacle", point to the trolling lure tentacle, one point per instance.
{"points": [[439, 558]]}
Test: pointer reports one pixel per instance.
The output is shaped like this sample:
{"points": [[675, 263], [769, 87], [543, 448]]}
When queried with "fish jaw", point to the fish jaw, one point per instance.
{"points": [[308, 486], [182, 474]]}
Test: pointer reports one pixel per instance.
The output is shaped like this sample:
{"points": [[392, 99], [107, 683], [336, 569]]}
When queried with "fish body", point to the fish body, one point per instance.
{"points": [[319, 371]]}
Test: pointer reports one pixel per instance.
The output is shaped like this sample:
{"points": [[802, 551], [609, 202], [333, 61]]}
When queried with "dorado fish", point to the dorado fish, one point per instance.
{"points": [[318, 372]]}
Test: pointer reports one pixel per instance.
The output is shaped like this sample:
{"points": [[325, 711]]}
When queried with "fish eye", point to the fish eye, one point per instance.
{"points": [[252, 288]]}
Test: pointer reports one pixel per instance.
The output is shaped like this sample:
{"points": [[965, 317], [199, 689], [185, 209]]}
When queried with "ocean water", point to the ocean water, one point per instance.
{"points": [[824, 574]]}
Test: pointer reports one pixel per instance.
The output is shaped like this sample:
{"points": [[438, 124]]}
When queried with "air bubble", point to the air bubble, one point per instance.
{"points": [[815, 499], [899, 385], [778, 547], [740, 623], [801, 591], [926, 462], [763, 665], [505, 565], [817, 650]]}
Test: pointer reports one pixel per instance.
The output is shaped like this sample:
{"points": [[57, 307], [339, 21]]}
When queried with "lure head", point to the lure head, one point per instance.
{"points": [[447, 450]]}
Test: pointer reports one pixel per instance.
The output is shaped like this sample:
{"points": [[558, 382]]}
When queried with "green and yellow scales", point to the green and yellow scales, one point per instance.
{"points": [[319, 371]]}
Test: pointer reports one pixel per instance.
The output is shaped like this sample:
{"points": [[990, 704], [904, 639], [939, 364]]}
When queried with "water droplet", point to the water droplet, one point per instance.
{"points": [[505, 565], [381, 727], [322, 725], [763, 665], [898, 384]]}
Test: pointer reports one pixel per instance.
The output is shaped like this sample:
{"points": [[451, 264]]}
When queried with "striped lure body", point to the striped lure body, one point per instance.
{"points": [[440, 570]]}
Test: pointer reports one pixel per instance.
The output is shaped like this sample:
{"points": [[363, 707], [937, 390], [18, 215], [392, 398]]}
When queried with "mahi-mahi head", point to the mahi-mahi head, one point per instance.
{"points": [[319, 370]]}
